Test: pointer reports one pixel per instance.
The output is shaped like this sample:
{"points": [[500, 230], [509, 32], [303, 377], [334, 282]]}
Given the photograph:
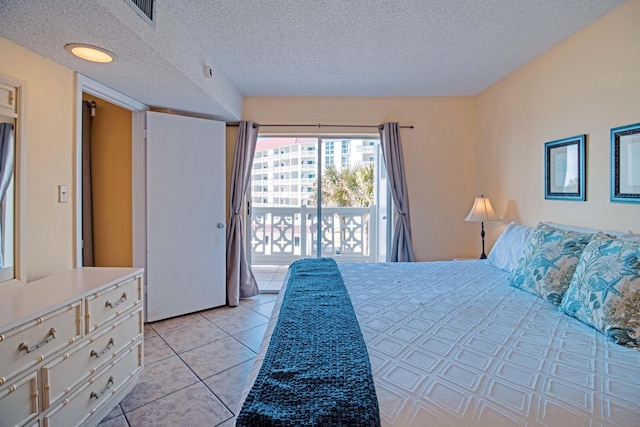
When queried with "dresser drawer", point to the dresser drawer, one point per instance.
{"points": [[27, 345], [62, 374], [103, 307], [19, 401], [81, 405]]}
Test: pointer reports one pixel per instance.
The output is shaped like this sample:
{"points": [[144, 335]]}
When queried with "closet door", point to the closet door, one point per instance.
{"points": [[185, 215]]}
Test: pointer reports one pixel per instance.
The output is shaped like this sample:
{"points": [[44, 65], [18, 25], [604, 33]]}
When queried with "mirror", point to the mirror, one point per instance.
{"points": [[7, 198]]}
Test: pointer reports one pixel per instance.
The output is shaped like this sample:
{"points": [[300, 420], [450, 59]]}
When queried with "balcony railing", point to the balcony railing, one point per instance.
{"points": [[282, 235]]}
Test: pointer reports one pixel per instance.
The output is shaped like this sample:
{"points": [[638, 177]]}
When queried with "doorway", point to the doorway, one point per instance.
{"points": [[107, 184], [137, 112]]}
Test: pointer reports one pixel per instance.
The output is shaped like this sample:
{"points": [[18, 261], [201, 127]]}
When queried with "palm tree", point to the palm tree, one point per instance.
{"points": [[347, 187]]}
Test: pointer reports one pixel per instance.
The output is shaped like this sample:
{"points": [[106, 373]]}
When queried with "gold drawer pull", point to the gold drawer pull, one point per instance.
{"points": [[96, 354], [122, 299], [25, 347], [95, 395]]}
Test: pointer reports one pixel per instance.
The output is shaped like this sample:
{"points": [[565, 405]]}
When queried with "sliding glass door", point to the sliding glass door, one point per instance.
{"points": [[316, 197], [348, 211]]}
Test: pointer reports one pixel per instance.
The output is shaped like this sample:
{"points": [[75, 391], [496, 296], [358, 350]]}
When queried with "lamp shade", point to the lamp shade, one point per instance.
{"points": [[482, 211]]}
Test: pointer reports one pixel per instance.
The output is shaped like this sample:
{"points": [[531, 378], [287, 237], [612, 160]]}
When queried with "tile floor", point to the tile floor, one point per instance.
{"points": [[196, 367], [269, 277]]}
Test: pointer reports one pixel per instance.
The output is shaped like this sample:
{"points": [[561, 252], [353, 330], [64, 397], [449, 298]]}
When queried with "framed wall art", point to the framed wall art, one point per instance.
{"points": [[625, 164], [564, 168]]}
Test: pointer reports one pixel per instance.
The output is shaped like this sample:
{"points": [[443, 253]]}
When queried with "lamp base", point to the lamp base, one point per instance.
{"points": [[483, 256]]}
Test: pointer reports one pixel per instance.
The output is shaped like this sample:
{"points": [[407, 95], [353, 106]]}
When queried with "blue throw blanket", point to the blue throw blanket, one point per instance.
{"points": [[316, 370]]}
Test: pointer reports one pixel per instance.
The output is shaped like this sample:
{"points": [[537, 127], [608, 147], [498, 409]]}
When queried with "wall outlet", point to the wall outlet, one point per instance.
{"points": [[62, 194]]}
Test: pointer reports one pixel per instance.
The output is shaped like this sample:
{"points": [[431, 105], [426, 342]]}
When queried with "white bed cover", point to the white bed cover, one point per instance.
{"points": [[451, 344]]}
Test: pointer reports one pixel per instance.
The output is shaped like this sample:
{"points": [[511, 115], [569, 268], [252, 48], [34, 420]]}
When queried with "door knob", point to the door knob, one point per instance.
{"points": [[220, 225]]}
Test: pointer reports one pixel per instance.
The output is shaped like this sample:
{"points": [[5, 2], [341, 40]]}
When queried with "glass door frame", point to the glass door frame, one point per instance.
{"points": [[321, 139]]}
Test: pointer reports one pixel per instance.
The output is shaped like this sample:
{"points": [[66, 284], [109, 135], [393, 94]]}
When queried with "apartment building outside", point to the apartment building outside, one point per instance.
{"points": [[285, 170]]}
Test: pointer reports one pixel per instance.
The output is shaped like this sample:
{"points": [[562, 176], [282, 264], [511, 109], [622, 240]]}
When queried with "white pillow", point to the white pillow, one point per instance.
{"points": [[584, 229], [509, 246]]}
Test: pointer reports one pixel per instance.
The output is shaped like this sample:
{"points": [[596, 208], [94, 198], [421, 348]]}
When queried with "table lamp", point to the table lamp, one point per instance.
{"points": [[480, 212]]}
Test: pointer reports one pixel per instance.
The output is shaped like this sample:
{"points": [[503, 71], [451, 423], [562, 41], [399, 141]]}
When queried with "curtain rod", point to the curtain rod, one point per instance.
{"points": [[319, 125]]}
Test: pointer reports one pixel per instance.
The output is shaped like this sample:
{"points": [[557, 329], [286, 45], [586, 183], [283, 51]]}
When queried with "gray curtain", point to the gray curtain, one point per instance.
{"points": [[241, 282], [87, 209], [6, 173], [401, 243]]}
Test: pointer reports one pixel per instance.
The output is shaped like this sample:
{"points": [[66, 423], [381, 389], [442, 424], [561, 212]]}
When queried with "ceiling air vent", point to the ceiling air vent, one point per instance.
{"points": [[144, 8]]}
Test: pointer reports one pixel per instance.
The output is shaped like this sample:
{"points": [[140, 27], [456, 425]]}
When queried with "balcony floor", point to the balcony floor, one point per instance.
{"points": [[269, 277]]}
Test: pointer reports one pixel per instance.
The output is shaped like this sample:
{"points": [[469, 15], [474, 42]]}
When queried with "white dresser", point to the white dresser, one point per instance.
{"points": [[70, 346]]}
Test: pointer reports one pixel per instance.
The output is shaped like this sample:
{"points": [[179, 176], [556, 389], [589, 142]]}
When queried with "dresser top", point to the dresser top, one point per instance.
{"points": [[28, 301]]}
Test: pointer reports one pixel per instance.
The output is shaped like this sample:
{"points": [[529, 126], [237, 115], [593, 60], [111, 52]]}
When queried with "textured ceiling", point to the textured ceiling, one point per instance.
{"points": [[297, 47]]}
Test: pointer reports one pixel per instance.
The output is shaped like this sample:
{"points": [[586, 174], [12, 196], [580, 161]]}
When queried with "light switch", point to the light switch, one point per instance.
{"points": [[62, 194]]}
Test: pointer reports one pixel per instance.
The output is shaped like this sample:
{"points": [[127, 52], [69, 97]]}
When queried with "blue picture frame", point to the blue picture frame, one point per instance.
{"points": [[564, 169], [625, 164]]}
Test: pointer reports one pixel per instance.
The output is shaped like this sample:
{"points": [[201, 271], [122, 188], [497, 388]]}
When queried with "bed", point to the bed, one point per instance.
{"points": [[456, 344]]}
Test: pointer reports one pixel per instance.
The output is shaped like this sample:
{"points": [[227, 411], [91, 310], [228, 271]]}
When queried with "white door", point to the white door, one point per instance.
{"points": [[185, 215]]}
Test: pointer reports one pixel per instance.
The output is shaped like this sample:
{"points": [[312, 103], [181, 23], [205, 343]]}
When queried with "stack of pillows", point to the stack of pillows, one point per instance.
{"points": [[591, 275]]}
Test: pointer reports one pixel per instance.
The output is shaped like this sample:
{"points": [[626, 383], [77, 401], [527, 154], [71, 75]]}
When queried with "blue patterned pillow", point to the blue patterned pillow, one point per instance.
{"points": [[549, 261], [605, 290]]}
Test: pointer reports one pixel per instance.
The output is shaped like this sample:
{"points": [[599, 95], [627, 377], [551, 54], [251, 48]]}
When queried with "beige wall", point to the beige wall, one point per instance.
{"points": [[49, 139], [492, 143], [439, 157], [111, 184], [585, 85]]}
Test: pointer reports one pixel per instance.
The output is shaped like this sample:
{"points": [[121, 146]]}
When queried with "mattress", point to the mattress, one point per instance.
{"points": [[452, 344]]}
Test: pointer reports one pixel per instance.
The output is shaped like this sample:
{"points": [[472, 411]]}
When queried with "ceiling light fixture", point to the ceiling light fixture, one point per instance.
{"points": [[90, 53]]}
